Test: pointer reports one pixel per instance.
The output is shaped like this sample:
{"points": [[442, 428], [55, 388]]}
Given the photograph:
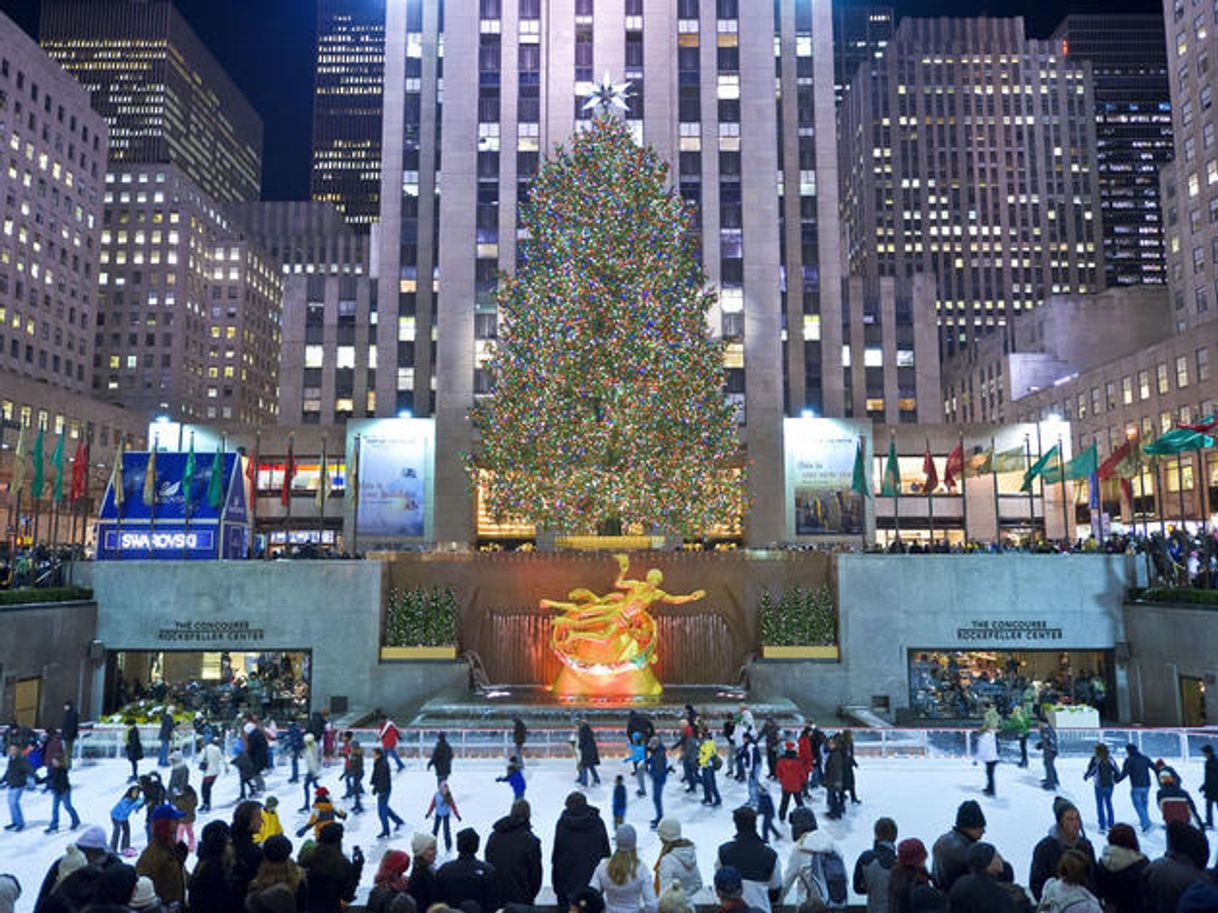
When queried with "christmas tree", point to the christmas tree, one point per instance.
{"points": [[609, 404]]}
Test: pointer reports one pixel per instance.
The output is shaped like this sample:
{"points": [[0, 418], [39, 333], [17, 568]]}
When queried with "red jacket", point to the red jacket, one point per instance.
{"points": [[791, 774], [389, 735], [805, 755]]}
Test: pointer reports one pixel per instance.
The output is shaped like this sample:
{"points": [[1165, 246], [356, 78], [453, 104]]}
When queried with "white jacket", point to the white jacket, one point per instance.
{"points": [[312, 759], [1059, 897], [212, 762], [800, 863], [680, 864], [637, 893], [987, 746]]}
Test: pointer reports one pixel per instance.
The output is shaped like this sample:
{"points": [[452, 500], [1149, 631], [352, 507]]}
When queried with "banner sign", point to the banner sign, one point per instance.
{"points": [[820, 469], [394, 478]]}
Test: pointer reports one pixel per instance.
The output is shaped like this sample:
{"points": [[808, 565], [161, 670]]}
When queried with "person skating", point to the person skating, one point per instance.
{"points": [[624, 881], [382, 787], [806, 751], [689, 757], [333, 878], [120, 819], [389, 737], [835, 779], [271, 825], [515, 852], [1017, 723], [589, 755], [765, 811], [520, 733], [1209, 786], [708, 763], [312, 760], [444, 807], [1175, 804], [849, 781], [355, 775], [423, 875], [179, 774], [755, 860], [165, 736], [618, 802], [134, 750], [293, 742], [678, 862], [61, 794], [815, 865], [390, 883], [1104, 770], [580, 843], [950, 852], [161, 860], [16, 778], [637, 758], [657, 772], [873, 869], [791, 778], [1138, 768], [187, 803], [467, 878], [322, 814], [70, 729], [1120, 871], [752, 755], [1047, 744], [210, 765], [987, 754], [258, 749], [441, 760], [773, 739], [513, 778], [1066, 834], [1169, 876]]}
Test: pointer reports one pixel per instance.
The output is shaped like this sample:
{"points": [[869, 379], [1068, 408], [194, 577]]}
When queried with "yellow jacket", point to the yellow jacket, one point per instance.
{"points": [[706, 751], [270, 826]]}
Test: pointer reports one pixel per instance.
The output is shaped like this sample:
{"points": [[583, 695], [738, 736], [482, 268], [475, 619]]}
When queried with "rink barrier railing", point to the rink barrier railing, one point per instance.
{"points": [[105, 741]]}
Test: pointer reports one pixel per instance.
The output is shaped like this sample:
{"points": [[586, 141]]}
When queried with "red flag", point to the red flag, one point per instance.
{"points": [[289, 472], [1108, 467], [251, 465], [929, 470], [80, 470], [954, 467], [1127, 490]]}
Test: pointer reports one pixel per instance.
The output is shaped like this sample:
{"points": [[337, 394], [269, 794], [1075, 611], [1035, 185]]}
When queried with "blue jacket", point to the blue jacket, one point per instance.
{"points": [[294, 740], [657, 766], [515, 779], [619, 800], [1137, 767], [638, 751], [124, 808], [765, 804]]}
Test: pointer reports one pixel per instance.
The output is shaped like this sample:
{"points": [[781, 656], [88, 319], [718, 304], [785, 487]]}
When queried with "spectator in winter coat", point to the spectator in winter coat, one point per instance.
{"points": [[515, 853], [1201, 896], [807, 862], [1105, 772], [277, 868], [247, 821], [623, 880], [1169, 876], [754, 860], [160, 861], [391, 888], [211, 884], [580, 843], [1175, 804], [1069, 891], [792, 777], [333, 879], [678, 860], [1137, 767], [467, 877], [1066, 834], [441, 760], [951, 850], [873, 870], [423, 875], [1209, 787], [909, 876], [981, 891], [1120, 871]]}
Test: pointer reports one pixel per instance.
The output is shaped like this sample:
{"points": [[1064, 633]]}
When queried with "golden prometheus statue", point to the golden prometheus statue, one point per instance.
{"points": [[607, 644]]}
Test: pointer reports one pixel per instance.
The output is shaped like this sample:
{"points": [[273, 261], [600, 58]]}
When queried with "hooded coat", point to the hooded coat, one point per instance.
{"points": [[333, 878], [1118, 878], [580, 842], [515, 852], [872, 873], [1048, 854], [679, 864], [804, 865], [1061, 897]]}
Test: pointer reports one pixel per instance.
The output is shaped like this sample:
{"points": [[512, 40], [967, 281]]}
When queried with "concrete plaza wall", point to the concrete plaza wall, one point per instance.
{"points": [[1165, 643], [891, 604], [50, 643]]}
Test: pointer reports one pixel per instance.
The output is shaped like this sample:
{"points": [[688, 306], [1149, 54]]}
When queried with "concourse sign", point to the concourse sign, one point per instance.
{"points": [[158, 518]]}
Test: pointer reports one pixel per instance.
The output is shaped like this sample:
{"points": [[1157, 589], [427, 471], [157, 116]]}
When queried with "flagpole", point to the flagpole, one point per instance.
{"points": [[321, 496], [1203, 494], [930, 500], [1179, 492], [994, 480], [896, 490], [223, 498], [963, 494], [1061, 463], [355, 504], [187, 500], [1027, 448], [156, 441], [289, 470]]}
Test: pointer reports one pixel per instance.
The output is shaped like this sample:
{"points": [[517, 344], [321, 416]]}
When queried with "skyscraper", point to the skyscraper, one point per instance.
{"points": [[162, 92], [1128, 60], [347, 108], [50, 216], [970, 155], [860, 34]]}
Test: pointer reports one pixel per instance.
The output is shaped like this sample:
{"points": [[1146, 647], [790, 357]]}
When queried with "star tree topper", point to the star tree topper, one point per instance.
{"points": [[608, 97]]}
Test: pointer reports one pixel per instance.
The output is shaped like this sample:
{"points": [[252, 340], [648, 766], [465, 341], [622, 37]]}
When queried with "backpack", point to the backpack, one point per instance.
{"points": [[716, 762], [829, 883]]}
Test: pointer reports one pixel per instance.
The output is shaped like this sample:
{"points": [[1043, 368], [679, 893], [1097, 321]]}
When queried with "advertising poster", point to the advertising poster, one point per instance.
{"points": [[394, 460], [820, 467]]}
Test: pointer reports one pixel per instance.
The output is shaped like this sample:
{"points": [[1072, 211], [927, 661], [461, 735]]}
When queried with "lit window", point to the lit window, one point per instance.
{"points": [[314, 356]]}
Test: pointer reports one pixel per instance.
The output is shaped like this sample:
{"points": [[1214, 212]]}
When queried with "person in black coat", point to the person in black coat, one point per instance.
{"points": [[1138, 768], [949, 854], [580, 842], [441, 758], [589, 755], [382, 786], [1066, 834], [467, 877], [520, 732], [247, 822], [61, 794], [211, 886], [135, 750], [1209, 787], [333, 878], [515, 852], [980, 891], [422, 885], [1169, 876], [1120, 871], [70, 729]]}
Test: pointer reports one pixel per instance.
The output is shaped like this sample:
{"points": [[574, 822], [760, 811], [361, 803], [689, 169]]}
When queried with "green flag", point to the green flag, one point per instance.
{"points": [[57, 462], [1013, 460], [892, 471], [858, 483], [1039, 467], [1178, 440], [1081, 467], [38, 483], [188, 477], [215, 487]]}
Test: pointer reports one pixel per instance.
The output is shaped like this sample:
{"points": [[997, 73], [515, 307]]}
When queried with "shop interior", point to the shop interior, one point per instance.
{"points": [[961, 684], [221, 684]]}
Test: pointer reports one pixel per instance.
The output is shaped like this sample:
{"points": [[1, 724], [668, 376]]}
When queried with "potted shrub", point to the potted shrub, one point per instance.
{"points": [[420, 624], [800, 624]]}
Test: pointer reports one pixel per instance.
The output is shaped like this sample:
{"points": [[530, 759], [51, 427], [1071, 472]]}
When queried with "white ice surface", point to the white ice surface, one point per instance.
{"points": [[921, 795]]}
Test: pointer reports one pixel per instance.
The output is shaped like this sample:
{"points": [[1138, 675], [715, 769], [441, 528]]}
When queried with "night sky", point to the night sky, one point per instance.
{"points": [[267, 46]]}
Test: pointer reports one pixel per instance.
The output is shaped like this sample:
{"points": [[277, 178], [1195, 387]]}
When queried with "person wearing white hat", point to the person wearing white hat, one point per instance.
{"points": [[144, 896], [678, 860], [623, 879]]}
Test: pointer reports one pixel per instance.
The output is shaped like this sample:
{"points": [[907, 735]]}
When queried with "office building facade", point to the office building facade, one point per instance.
{"points": [[347, 108], [969, 155], [165, 97], [860, 34], [1133, 130]]}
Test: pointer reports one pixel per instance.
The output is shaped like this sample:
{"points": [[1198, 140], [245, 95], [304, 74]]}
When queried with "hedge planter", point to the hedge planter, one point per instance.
{"points": [[829, 653], [412, 654]]}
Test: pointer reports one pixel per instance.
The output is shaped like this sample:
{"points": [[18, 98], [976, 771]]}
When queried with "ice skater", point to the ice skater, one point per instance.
{"points": [[120, 820], [986, 753], [312, 760], [382, 786], [513, 778], [16, 778], [444, 807], [619, 801], [61, 793]]}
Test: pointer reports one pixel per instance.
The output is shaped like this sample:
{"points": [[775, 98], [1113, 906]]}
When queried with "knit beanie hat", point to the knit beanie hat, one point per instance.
{"points": [[72, 860], [144, 896], [277, 848], [668, 830], [626, 838], [421, 843], [911, 852], [970, 815], [1061, 805]]}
